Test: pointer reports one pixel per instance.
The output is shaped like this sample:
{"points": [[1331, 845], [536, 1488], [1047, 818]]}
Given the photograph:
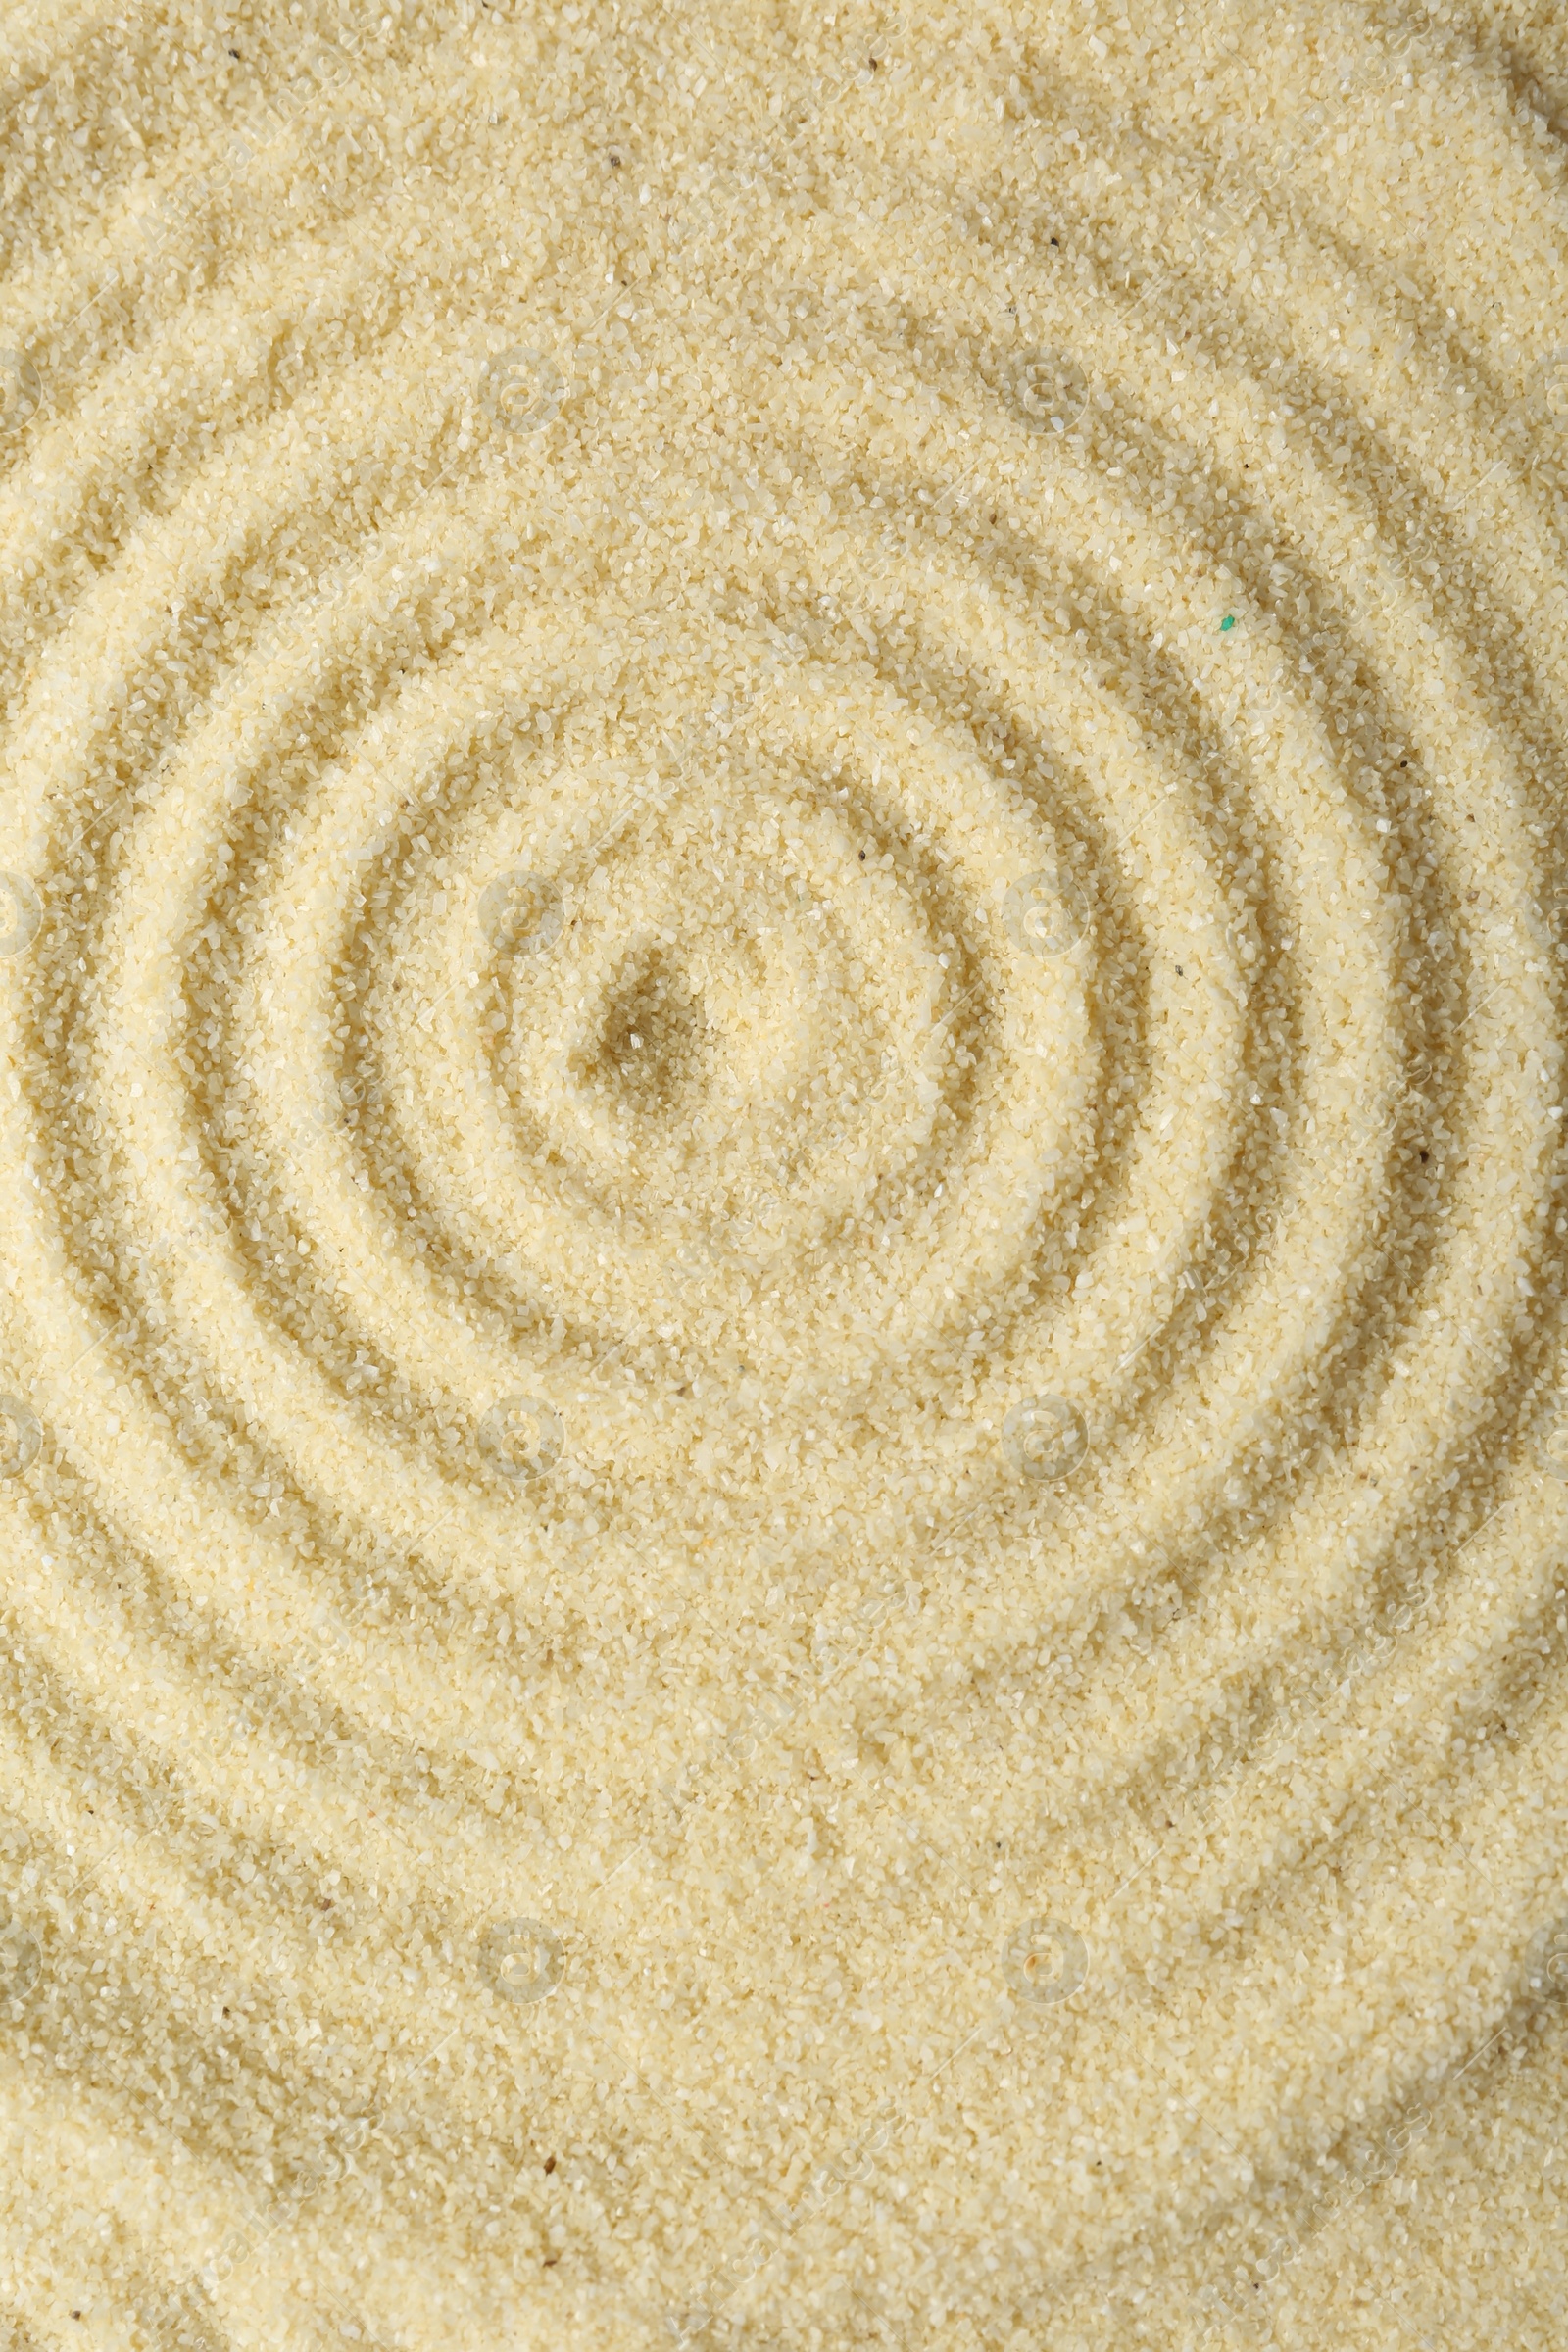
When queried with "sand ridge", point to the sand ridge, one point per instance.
{"points": [[782, 923]]}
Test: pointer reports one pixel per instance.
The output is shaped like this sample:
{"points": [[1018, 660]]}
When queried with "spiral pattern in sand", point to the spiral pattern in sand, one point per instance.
{"points": [[782, 920]]}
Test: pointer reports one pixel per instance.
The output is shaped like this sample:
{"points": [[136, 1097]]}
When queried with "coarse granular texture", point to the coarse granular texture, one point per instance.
{"points": [[783, 940]]}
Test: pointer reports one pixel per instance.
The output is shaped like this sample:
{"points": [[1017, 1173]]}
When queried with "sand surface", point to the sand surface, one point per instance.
{"points": [[783, 905]]}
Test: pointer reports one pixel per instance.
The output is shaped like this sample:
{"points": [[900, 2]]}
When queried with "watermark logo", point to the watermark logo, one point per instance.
{"points": [[20, 391], [1045, 1438], [1046, 913], [695, 1258], [153, 222], [1551, 1446], [20, 1961], [519, 914], [21, 1435], [836, 1646], [523, 1959], [1053, 390], [521, 1437], [1554, 1958], [1554, 386], [323, 1106], [1043, 1961], [522, 389], [20, 913]]}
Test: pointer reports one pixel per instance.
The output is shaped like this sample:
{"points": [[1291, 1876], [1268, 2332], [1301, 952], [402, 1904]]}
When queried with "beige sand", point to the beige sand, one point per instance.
{"points": [[781, 1042]]}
